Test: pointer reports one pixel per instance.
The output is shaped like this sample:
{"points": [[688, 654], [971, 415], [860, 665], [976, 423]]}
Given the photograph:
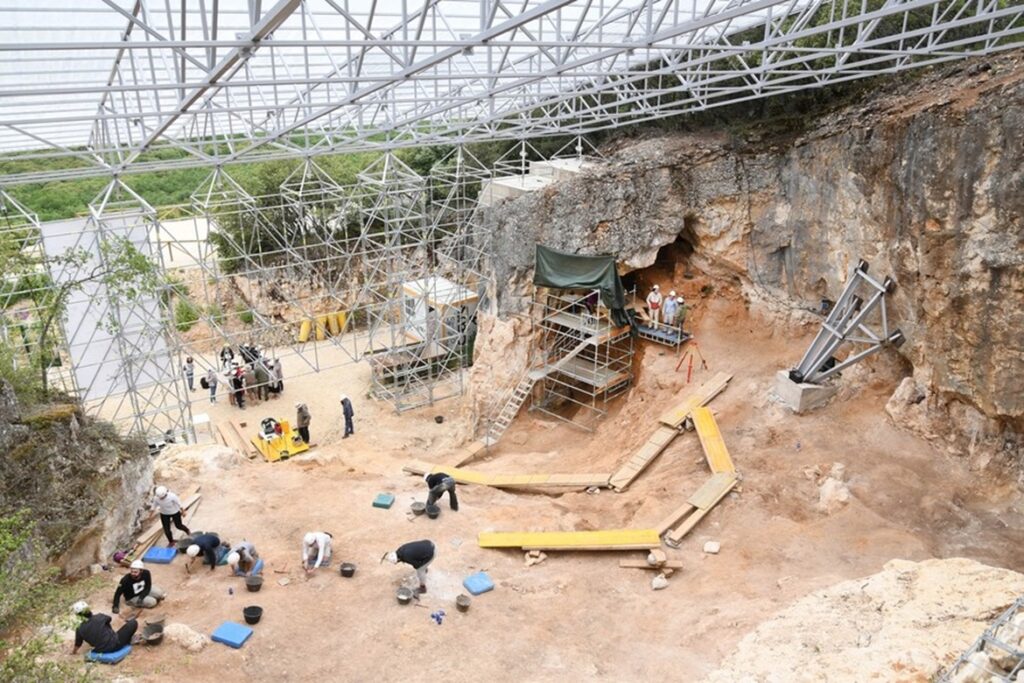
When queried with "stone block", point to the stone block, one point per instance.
{"points": [[803, 397]]}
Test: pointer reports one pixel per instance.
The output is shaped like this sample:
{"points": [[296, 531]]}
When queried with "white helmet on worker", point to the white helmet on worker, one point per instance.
{"points": [[234, 559], [80, 607], [656, 287], [392, 557], [137, 564], [343, 397], [671, 292], [679, 299], [309, 538], [161, 491], [193, 550]]}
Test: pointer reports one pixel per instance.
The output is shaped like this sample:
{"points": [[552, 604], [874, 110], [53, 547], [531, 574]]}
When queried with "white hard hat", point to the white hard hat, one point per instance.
{"points": [[392, 557], [193, 550], [80, 607], [309, 539], [656, 287], [161, 491], [298, 403], [672, 292], [679, 299], [234, 558], [137, 564], [343, 397]]}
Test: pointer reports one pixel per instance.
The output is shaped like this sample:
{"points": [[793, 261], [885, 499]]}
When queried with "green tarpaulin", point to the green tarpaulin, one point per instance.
{"points": [[572, 271]]}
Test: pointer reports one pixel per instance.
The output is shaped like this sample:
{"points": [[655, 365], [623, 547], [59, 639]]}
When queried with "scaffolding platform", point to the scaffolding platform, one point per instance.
{"points": [[587, 326], [662, 334], [600, 378]]}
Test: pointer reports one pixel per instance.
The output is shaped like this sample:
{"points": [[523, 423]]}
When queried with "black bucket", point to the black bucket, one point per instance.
{"points": [[433, 511], [348, 570], [253, 584], [252, 614]]}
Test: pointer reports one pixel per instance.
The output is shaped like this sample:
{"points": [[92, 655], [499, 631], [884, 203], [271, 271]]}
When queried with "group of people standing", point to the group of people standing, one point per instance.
{"points": [[250, 376], [670, 310]]}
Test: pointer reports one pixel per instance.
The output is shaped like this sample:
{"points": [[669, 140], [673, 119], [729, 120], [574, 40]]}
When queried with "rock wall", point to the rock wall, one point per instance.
{"points": [[925, 181], [83, 484]]}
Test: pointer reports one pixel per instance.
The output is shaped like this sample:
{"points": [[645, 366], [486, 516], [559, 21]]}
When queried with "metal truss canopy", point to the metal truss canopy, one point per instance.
{"points": [[108, 87]]}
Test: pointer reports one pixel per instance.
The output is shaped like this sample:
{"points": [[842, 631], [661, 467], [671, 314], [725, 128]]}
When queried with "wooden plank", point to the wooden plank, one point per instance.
{"points": [[674, 537], [673, 517], [704, 497], [249, 450], [607, 539], [505, 480], [642, 564], [711, 439], [700, 397], [644, 456], [467, 453]]}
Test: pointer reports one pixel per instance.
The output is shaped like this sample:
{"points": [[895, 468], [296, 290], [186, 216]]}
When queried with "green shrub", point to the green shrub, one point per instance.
{"points": [[245, 315], [185, 315], [215, 313]]}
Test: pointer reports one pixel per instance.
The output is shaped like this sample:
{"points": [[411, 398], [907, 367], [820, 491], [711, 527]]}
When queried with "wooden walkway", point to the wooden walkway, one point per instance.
{"points": [[610, 539]]}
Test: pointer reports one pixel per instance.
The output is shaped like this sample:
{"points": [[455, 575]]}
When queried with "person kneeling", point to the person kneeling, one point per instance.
{"points": [[137, 588], [243, 558], [316, 550], [207, 544]]}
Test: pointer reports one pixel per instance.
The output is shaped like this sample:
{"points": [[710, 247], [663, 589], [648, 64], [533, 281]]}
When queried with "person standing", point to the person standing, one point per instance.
{"points": [[418, 554], [302, 420], [654, 300], [169, 506], [95, 629], [262, 379], [681, 311], [669, 311], [189, 368], [317, 547], [346, 410], [226, 356], [137, 588], [211, 384], [438, 483], [238, 385]]}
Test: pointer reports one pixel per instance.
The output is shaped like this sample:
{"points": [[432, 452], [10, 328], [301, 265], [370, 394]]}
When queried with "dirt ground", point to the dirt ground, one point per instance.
{"points": [[576, 615]]}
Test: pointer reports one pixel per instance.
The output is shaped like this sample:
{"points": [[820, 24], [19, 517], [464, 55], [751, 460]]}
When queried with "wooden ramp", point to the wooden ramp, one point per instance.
{"points": [[510, 480], [711, 439], [689, 514], [610, 539], [667, 431]]}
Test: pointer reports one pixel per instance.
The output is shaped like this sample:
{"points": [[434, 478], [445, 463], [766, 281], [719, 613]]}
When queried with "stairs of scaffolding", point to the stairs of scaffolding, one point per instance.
{"points": [[513, 401]]}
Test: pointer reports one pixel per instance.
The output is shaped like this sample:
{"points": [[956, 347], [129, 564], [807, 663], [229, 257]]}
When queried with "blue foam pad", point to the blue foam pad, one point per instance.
{"points": [[108, 657], [160, 555], [478, 583], [384, 500], [231, 634]]}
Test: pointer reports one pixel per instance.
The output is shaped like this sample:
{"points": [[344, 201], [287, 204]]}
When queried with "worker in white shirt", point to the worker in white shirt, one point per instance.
{"points": [[168, 505], [243, 558], [654, 304], [316, 550], [670, 308]]}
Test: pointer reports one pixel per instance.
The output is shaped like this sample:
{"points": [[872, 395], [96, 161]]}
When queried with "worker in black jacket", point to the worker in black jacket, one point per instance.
{"points": [[137, 588], [207, 544], [418, 554], [438, 483], [95, 629]]}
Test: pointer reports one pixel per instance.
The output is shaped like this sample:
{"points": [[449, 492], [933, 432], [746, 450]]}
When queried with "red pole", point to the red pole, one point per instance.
{"points": [[689, 369]]}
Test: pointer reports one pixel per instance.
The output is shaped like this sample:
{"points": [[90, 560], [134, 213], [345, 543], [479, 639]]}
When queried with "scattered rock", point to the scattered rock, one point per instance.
{"points": [[657, 557], [833, 495], [592, 490], [283, 582], [95, 569], [712, 547], [838, 471], [532, 559], [188, 639], [659, 582]]}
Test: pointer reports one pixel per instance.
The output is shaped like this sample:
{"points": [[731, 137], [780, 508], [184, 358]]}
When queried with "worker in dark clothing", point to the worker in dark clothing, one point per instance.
{"points": [[418, 554], [302, 420], [95, 629], [207, 544], [346, 410], [137, 588], [438, 483]]}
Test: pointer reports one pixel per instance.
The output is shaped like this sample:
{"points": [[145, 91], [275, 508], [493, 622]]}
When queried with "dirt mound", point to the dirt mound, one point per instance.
{"points": [[178, 463], [906, 623]]}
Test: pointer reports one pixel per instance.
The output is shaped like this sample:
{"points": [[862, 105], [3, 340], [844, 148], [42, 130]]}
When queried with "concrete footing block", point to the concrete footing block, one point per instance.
{"points": [[801, 398]]}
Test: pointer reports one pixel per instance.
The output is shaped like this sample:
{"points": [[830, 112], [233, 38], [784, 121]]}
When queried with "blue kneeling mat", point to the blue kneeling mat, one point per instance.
{"points": [[108, 657], [257, 569], [384, 500], [478, 583], [231, 634], [160, 555]]}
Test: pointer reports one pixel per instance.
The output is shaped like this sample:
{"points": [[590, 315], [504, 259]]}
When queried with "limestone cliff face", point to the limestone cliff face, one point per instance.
{"points": [[925, 181], [82, 483]]}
